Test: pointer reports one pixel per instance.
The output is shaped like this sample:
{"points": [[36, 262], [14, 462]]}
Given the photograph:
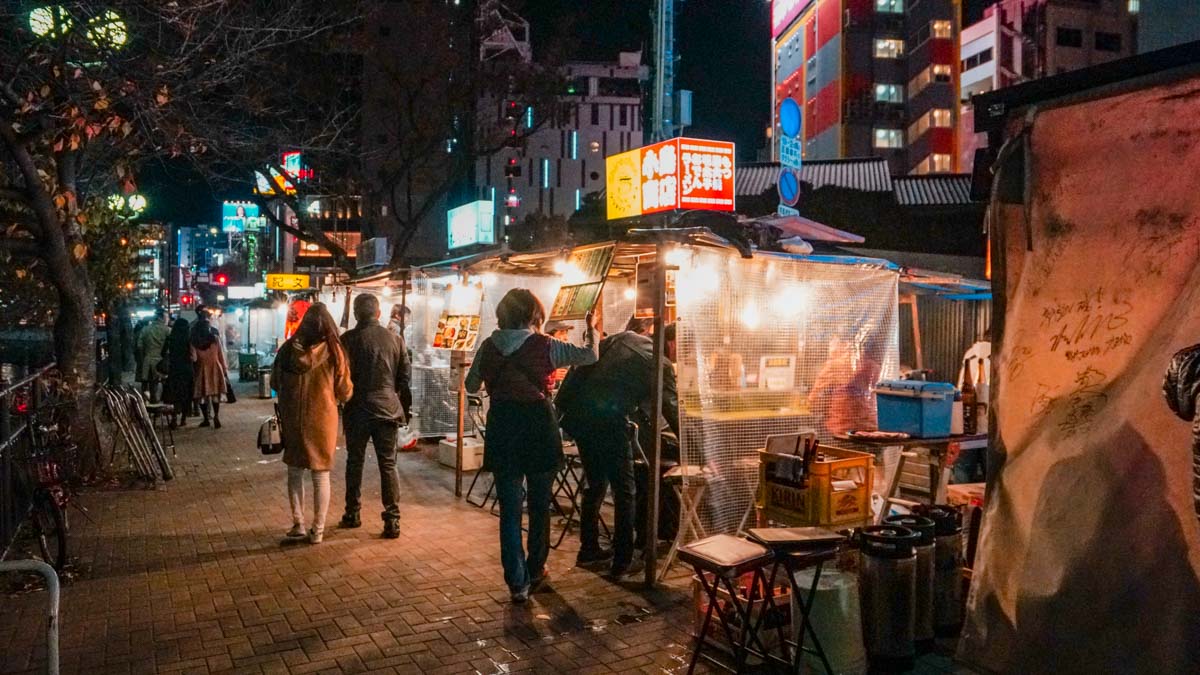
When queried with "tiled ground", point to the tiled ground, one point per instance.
{"points": [[192, 578]]}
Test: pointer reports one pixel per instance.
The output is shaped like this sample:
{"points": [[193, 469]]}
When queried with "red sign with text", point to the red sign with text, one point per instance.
{"points": [[682, 173]]}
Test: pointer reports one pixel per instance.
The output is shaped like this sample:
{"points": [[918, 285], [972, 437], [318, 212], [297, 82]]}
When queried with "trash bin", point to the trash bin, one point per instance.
{"points": [[923, 623], [887, 587], [264, 383], [947, 574]]}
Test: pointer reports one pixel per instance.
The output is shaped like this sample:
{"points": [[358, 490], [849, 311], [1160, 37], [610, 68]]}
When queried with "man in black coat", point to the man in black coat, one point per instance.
{"points": [[381, 402], [597, 409]]}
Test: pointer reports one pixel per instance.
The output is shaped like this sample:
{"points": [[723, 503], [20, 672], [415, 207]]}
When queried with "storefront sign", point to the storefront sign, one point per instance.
{"points": [[471, 224], [682, 173], [287, 282]]}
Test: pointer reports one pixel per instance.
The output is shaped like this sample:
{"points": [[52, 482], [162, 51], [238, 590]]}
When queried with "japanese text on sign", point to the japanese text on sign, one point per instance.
{"points": [[682, 173]]}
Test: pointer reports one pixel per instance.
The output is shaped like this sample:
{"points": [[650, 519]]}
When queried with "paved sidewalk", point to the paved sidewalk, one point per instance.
{"points": [[192, 578]]}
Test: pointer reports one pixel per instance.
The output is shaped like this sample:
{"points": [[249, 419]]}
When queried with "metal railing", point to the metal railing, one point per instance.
{"points": [[19, 398]]}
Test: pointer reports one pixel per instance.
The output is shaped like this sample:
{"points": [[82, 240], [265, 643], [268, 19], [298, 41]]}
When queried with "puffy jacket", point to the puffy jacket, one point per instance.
{"points": [[620, 384], [1181, 386]]}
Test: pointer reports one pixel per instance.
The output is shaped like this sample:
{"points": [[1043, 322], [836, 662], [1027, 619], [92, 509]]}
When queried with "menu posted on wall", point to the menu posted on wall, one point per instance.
{"points": [[457, 332], [583, 275]]}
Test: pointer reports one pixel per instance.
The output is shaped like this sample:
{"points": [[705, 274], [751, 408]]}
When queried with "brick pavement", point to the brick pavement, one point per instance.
{"points": [[192, 578]]}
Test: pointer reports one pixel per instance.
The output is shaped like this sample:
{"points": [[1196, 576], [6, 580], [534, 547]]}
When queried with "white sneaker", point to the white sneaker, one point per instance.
{"points": [[297, 532], [315, 536]]}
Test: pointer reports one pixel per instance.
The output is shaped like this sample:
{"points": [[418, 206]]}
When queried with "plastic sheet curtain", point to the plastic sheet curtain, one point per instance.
{"points": [[1089, 559], [774, 345]]}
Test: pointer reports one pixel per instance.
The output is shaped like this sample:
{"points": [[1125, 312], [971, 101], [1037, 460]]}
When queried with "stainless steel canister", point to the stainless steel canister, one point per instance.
{"points": [[923, 623], [947, 570], [887, 584]]}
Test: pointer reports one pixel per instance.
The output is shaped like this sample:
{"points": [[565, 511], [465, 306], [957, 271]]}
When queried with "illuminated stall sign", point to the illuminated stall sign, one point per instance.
{"points": [[287, 282], [583, 274], [471, 224], [682, 173]]}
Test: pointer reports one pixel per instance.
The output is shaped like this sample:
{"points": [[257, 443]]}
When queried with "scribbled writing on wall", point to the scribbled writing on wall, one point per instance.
{"points": [[1095, 324], [1084, 402]]}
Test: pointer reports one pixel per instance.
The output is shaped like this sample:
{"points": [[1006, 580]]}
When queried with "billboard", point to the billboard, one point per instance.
{"points": [[784, 12], [240, 216], [682, 173], [471, 224]]}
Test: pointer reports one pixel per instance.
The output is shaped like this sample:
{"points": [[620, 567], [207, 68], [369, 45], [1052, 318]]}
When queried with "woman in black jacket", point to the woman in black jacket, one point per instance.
{"points": [[1182, 389], [177, 355]]}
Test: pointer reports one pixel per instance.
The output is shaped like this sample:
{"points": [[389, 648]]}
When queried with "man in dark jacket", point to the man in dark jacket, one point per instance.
{"points": [[597, 409], [1181, 386], [380, 371]]}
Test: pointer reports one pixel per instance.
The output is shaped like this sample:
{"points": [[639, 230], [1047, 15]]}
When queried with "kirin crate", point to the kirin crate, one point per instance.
{"points": [[818, 502]]}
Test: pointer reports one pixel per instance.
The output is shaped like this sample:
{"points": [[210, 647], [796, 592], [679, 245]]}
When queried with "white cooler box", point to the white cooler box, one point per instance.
{"points": [[472, 453]]}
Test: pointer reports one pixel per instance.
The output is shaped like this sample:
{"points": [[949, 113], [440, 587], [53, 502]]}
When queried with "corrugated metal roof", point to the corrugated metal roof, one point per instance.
{"points": [[869, 174], [952, 189]]}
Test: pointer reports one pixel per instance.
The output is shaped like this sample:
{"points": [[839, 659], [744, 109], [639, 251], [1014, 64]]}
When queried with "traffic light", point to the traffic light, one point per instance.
{"points": [[185, 300], [221, 279], [512, 169]]}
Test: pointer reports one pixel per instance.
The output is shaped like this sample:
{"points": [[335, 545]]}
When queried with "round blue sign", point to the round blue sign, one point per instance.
{"points": [[789, 117], [789, 187]]}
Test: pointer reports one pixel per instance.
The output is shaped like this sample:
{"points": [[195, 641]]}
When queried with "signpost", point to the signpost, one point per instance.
{"points": [[791, 151]]}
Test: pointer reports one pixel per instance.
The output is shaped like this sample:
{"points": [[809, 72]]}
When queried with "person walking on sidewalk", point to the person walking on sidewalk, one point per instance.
{"points": [[312, 376], [598, 404], [212, 378], [523, 445], [150, 343], [179, 388], [382, 399]]}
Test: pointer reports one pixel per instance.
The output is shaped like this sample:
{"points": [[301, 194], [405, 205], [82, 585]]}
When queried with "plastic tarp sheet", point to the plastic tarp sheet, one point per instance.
{"points": [[774, 345], [1089, 559]]}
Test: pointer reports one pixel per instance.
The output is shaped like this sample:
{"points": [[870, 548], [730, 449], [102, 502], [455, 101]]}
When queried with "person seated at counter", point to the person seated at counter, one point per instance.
{"points": [[845, 385], [597, 404]]}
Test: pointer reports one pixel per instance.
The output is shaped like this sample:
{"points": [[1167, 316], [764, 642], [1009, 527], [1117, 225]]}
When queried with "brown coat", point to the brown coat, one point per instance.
{"points": [[210, 371], [310, 388]]}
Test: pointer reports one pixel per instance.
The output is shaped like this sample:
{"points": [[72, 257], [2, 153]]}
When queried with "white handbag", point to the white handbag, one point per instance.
{"points": [[270, 441]]}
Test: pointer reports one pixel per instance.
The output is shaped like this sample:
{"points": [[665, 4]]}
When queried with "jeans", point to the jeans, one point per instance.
{"points": [[383, 434], [320, 481], [607, 459], [519, 566]]}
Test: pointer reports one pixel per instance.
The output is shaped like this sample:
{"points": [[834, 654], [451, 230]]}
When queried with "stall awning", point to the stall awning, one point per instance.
{"points": [[950, 286], [810, 230]]}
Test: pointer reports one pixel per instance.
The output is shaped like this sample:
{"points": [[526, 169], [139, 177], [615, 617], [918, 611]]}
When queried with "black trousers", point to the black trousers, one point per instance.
{"points": [[383, 434], [607, 460]]}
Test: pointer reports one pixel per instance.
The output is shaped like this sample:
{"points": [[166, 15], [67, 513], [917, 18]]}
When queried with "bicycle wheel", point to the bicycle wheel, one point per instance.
{"points": [[50, 530]]}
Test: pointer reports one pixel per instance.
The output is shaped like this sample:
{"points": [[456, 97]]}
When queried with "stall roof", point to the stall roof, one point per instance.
{"points": [[950, 189], [810, 230], [868, 174]]}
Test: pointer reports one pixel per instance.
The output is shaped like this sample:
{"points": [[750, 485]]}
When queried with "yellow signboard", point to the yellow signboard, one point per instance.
{"points": [[624, 184], [287, 282]]}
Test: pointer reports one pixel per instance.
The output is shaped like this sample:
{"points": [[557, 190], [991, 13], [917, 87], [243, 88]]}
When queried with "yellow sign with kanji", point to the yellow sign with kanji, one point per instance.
{"points": [[287, 282]]}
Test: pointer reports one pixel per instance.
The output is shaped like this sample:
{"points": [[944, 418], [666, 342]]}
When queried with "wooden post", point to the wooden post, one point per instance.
{"points": [[458, 361], [654, 479]]}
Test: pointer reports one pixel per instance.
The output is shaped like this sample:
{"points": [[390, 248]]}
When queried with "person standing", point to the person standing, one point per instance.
{"points": [[179, 387], [311, 375], [598, 405], [523, 447], [211, 377], [150, 343], [381, 403]]}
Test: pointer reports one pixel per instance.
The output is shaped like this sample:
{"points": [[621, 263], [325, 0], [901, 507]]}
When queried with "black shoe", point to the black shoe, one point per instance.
{"points": [[204, 423], [592, 557], [619, 571], [350, 521], [217, 423], [391, 529], [520, 596], [538, 582]]}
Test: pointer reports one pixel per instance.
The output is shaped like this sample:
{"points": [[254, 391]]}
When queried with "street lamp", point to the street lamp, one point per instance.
{"points": [[103, 30]]}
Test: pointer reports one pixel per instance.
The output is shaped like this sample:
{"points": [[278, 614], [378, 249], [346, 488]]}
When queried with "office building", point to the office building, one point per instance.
{"points": [[873, 77]]}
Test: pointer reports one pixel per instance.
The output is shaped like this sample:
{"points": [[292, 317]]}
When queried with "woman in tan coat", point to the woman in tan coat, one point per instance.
{"points": [[312, 377], [211, 377]]}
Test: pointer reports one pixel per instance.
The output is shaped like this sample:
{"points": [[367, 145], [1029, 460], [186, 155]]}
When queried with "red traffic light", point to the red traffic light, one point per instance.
{"points": [[221, 279], [185, 300]]}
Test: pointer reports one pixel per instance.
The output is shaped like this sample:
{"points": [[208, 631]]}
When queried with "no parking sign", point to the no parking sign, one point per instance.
{"points": [[790, 156]]}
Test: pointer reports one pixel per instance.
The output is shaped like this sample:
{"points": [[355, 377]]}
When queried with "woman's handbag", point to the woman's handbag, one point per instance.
{"points": [[270, 441]]}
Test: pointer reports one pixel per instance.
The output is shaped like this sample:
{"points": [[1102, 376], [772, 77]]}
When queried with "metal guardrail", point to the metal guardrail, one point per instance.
{"points": [[13, 424], [52, 586]]}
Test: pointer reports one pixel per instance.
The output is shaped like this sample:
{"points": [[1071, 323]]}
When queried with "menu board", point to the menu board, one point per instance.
{"points": [[459, 332], [583, 276]]}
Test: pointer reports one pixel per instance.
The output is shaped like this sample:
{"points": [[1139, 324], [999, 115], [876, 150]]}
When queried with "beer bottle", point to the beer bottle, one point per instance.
{"points": [[969, 399]]}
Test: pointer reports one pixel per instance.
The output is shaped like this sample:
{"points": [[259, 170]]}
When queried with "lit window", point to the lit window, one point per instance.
{"points": [[940, 117], [578, 199], [889, 48], [594, 146], [939, 163], [942, 29], [889, 93], [889, 138], [941, 73], [574, 145], [545, 173], [1135, 6], [889, 6]]}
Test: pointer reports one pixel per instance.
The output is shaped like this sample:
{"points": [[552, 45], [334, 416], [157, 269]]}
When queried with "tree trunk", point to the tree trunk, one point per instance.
{"points": [[75, 351]]}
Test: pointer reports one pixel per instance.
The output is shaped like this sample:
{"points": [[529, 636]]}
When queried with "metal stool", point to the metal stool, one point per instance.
{"points": [[719, 560], [690, 496], [794, 549], [160, 416]]}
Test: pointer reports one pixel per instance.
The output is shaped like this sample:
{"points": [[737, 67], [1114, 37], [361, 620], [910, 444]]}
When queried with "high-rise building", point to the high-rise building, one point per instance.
{"points": [[873, 78], [562, 158], [1019, 40]]}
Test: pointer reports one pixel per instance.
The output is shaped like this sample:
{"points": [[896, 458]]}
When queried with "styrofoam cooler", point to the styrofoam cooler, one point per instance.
{"points": [[919, 409], [472, 453]]}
